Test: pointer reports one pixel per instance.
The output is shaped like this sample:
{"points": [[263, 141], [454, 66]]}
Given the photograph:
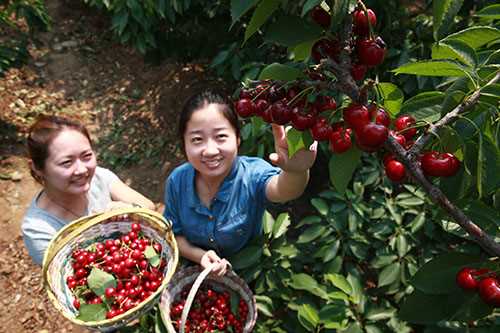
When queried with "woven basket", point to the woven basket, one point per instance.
{"points": [[196, 276], [96, 228]]}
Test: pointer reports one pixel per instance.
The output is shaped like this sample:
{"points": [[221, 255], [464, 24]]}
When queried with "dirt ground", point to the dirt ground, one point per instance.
{"points": [[77, 69]]}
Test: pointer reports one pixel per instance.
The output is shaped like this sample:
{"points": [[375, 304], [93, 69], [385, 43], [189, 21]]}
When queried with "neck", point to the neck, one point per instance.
{"points": [[66, 205]]}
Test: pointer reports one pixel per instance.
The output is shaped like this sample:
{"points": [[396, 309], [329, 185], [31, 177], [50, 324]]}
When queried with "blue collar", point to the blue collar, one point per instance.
{"points": [[224, 191]]}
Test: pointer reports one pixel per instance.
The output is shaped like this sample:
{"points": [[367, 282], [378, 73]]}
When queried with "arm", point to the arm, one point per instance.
{"points": [[292, 181], [121, 192], [200, 256]]}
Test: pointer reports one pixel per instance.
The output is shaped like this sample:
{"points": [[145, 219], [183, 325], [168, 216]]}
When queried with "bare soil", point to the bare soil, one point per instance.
{"points": [[77, 69]]}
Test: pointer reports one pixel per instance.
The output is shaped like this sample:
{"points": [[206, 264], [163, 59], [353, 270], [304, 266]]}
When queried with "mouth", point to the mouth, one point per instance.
{"points": [[80, 181], [213, 164]]}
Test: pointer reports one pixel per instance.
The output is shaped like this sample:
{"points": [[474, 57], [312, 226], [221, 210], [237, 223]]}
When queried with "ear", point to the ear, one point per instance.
{"points": [[34, 169]]}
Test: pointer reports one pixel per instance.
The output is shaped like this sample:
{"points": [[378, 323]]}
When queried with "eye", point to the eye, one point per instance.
{"points": [[222, 136], [88, 156], [196, 139], [65, 163]]}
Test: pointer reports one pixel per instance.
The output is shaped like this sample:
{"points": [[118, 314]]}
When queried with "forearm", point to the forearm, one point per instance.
{"points": [[188, 250], [288, 185]]}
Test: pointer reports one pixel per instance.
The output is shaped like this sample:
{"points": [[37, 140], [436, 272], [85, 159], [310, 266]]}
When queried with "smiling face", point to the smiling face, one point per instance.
{"points": [[70, 164], [210, 142]]}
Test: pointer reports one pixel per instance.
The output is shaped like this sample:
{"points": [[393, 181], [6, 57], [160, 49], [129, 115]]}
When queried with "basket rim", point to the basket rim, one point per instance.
{"points": [[76, 227]]}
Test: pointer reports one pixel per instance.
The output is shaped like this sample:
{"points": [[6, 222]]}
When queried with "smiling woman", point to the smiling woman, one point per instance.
{"points": [[62, 160]]}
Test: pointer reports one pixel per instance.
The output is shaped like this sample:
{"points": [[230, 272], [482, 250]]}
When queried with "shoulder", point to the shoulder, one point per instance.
{"points": [[180, 172], [39, 220]]}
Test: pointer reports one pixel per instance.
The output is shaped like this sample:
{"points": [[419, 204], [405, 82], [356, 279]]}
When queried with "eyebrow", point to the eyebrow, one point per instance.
{"points": [[215, 130]]}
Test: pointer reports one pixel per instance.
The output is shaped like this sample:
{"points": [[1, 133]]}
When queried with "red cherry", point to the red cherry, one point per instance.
{"points": [[109, 292], [281, 113], [81, 273], [340, 141], [371, 52], [260, 106], [454, 165], [157, 247], [245, 107], [325, 103], [358, 71], [325, 48], [321, 130], [439, 165], [360, 21], [489, 290], [399, 138], [466, 279], [302, 121], [402, 123], [72, 284], [395, 170], [379, 115], [321, 17], [372, 135], [76, 303], [356, 116], [136, 227]]}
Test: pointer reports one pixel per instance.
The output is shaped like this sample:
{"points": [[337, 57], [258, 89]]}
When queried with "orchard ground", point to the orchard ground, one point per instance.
{"points": [[130, 107]]}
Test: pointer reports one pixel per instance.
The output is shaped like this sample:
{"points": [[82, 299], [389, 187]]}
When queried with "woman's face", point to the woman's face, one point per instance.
{"points": [[210, 142], [70, 165]]}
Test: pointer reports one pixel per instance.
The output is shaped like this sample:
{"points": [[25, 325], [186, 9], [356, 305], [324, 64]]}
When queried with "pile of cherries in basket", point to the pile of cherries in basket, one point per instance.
{"points": [[211, 311], [133, 275]]}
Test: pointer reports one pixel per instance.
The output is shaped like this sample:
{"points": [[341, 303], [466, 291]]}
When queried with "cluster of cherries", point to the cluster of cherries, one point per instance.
{"points": [[482, 280], [210, 311], [136, 279], [370, 126], [370, 50]]}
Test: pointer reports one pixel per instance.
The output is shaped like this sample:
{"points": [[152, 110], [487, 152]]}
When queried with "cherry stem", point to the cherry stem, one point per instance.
{"points": [[300, 94]]}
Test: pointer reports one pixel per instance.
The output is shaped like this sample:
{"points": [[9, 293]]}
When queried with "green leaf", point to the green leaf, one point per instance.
{"points": [[291, 31], [340, 282], [239, 8], [302, 51], [281, 225], [303, 281], [340, 9], [267, 222], [152, 256], [476, 36], [311, 234], [392, 96], [264, 305], [488, 166], [276, 71], [421, 308], [308, 316], [341, 168], [298, 140], [424, 106], [455, 50], [99, 280], [92, 312], [401, 245], [389, 274], [376, 314], [432, 68], [263, 11], [417, 222], [310, 4], [438, 275], [332, 316], [444, 13], [490, 12], [247, 257], [320, 205]]}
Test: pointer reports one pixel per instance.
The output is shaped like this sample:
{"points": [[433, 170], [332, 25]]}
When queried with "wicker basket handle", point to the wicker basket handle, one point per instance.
{"points": [[194, 289]]}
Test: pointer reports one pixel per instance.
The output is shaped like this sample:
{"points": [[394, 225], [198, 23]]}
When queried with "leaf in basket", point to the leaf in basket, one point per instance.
{"points": [[92, 312], [99, 280], [235, 301], [152, 256]]}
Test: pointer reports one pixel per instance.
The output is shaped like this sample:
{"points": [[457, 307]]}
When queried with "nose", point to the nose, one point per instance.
{"points": [[211, 148], [80, 167]]}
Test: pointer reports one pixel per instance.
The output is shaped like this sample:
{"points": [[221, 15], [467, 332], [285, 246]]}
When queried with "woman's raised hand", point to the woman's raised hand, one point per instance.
{"points": [[301, 161]]}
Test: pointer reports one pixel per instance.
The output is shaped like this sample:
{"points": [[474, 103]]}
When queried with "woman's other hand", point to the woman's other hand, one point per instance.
{"points": [[209, 258]]}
